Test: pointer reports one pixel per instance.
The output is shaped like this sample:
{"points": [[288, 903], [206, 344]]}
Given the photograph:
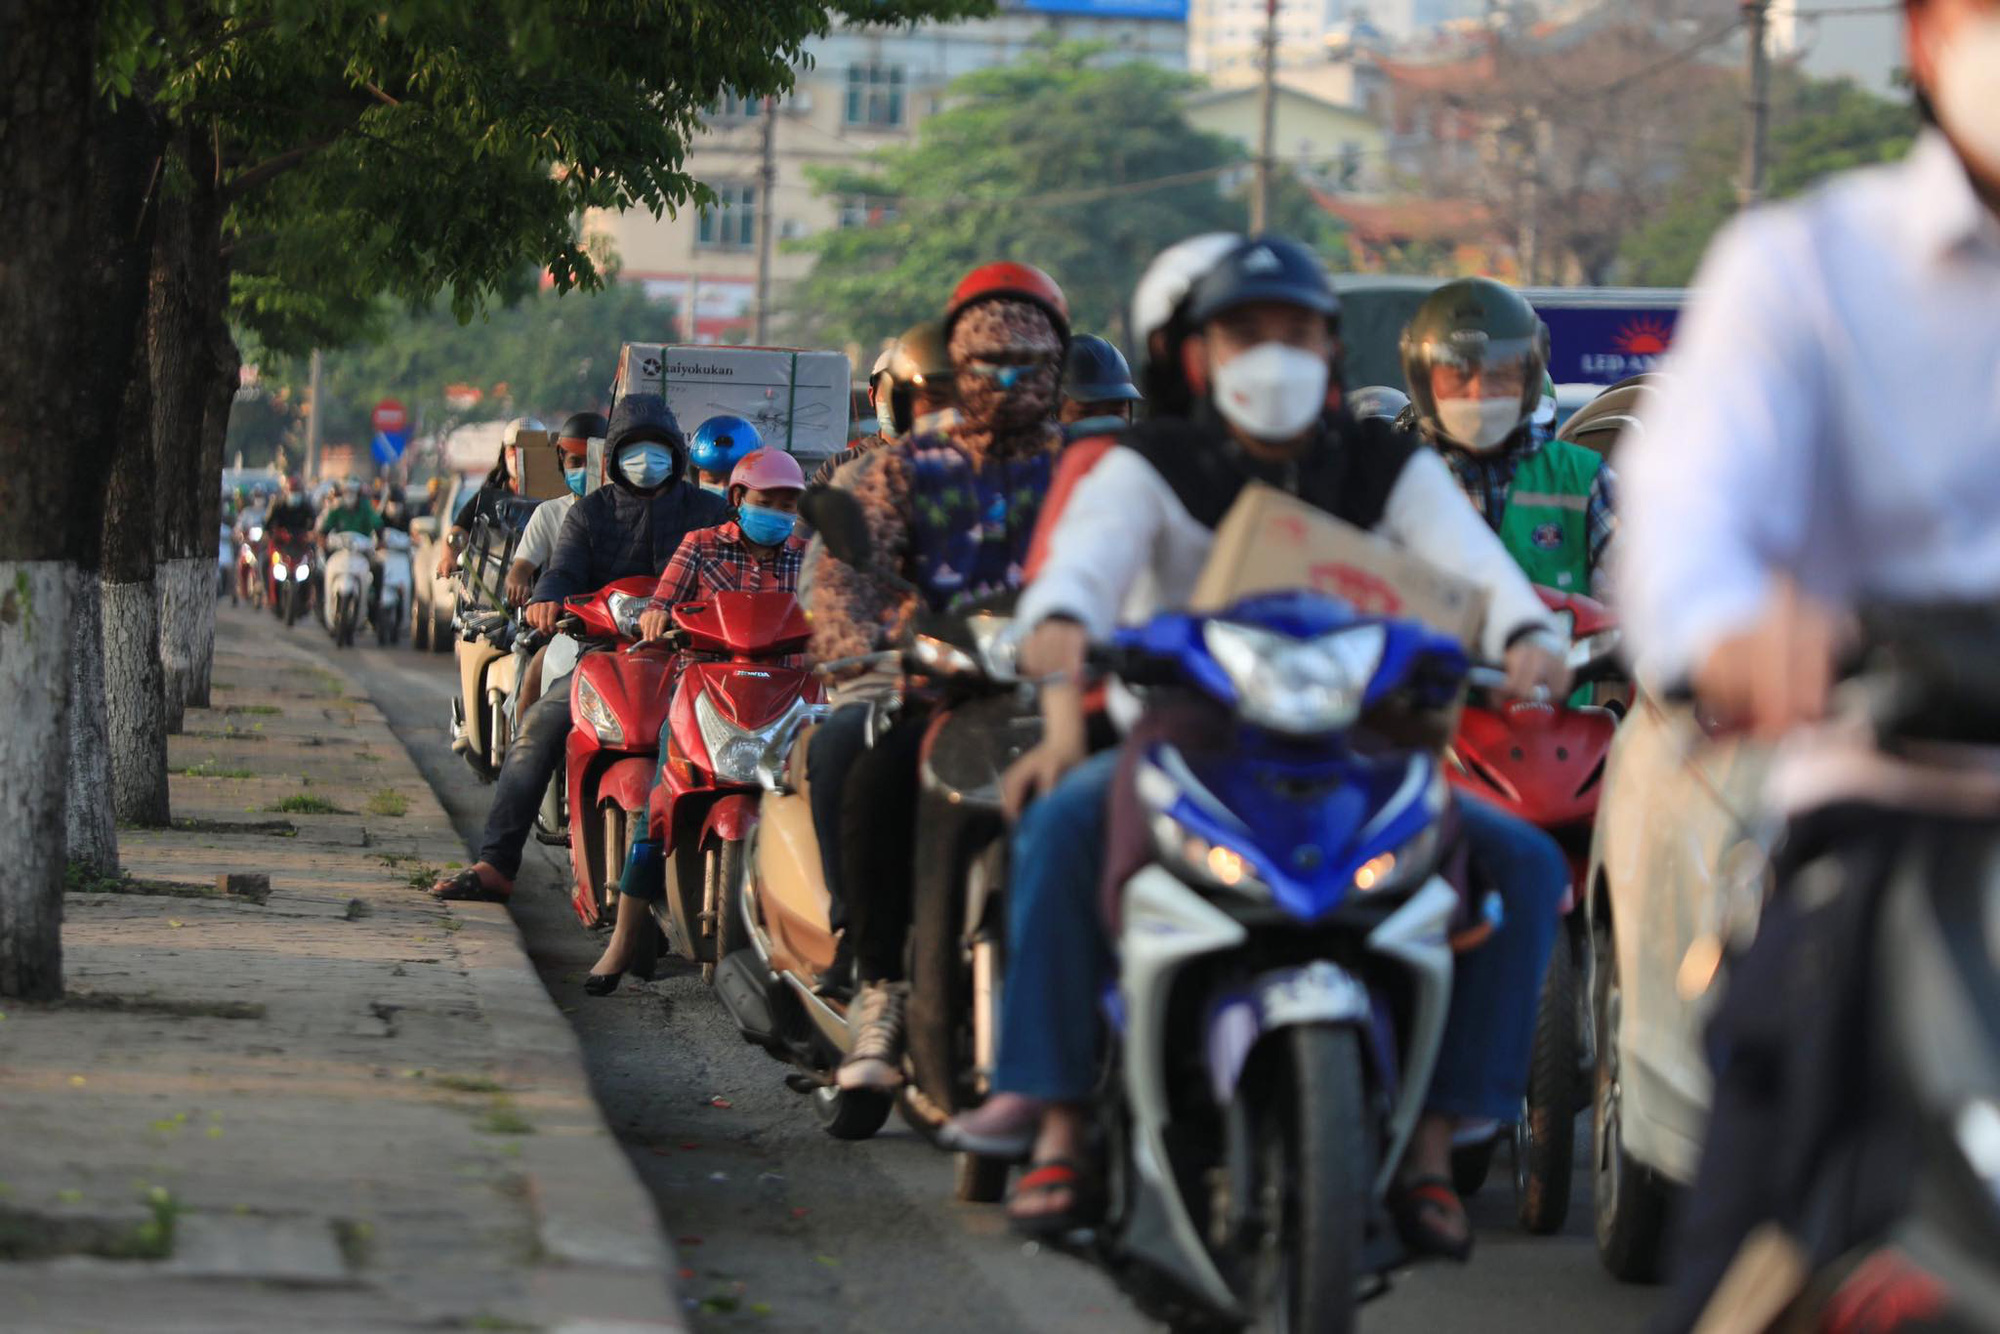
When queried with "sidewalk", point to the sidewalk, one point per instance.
{"points": [[339, 1107]]}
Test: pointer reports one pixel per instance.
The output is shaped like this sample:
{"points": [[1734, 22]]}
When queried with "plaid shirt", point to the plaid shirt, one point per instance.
{"points": [[718, 560], [1488, 479]]}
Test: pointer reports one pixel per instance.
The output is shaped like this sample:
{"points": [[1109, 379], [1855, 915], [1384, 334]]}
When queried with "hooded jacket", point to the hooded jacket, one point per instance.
{"points": [[617, 531]]}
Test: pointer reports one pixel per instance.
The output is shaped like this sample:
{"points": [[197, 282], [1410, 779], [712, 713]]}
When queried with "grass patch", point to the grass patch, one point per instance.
{"points": [[467, 1083], [305, 803], [80, 879], [211, 768], [503, 1118], [356, 1241], [423, 877], [328, 683], [263, 710], [388, 801]]}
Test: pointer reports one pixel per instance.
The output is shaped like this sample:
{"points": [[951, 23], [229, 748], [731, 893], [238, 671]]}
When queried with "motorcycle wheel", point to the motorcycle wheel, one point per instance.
{"points": [[1629, 1200], [850, 1116], [1545, 1136], [291, 605], [722, 869], [382, 614], [1314, 1173], [943, 1012]]}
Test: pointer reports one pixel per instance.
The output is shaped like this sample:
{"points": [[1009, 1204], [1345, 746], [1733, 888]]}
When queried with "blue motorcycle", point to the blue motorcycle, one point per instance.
{"points": [[1286, 958]]}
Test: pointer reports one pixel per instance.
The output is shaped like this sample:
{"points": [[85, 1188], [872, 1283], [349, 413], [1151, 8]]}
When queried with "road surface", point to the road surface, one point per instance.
{"points": [[781, 1228]]}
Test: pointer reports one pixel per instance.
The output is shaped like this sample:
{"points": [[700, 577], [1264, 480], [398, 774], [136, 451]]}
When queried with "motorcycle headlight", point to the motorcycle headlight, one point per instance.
{"points": [[999, 650], [598, 714], [1202, 860], [1977, 1130], [733, 752], [626, 609], [936, 656], [1398, 869], [1303, 687], [278, 569]]}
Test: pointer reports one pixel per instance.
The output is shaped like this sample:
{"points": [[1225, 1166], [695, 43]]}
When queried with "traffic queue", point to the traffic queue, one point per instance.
{"points": [[1219, 794]]}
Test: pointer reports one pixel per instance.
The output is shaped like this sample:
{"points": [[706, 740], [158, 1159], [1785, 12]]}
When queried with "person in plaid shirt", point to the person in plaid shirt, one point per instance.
{"points": [[757, 553]]}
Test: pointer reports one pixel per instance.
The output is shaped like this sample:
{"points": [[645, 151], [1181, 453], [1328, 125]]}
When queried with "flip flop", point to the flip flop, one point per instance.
{"points": [[1415, 1205], [1046, 1178], [467, 886]]}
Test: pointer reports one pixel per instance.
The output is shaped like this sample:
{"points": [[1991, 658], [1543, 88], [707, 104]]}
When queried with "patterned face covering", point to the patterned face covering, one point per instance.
{"points": [[999, 393]]}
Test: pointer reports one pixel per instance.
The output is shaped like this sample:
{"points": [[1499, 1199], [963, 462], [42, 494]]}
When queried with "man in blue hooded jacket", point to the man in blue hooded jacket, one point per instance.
{"points": [[632, 526]]}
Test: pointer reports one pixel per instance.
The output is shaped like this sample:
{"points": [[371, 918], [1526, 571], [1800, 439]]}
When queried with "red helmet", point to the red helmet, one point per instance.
{"points": [[1018, 282], [768, 470]]}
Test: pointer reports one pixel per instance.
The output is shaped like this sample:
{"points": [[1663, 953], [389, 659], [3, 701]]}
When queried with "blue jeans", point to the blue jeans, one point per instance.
{"points": [[1059, 957]]}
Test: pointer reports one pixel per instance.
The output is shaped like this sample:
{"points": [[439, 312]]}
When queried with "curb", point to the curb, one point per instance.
{"points": [[604, 1264]]}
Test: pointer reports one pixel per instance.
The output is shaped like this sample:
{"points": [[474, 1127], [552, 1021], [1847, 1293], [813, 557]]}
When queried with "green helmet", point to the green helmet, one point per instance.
{"points": [[1476, 331]]}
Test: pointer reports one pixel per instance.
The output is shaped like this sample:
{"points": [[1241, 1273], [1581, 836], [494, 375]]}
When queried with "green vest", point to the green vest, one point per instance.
{"points": [[1547, 525]]}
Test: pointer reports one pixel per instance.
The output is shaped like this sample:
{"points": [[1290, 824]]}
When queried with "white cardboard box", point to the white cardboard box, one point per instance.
{"points": [[797, 400]]}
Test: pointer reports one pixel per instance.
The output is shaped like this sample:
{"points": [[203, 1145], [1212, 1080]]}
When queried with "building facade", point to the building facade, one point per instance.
{"points": [[862, 90]]}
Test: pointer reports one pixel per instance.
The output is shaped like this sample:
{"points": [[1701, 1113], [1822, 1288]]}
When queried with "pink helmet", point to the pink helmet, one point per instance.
{"points": [[769, 470]]}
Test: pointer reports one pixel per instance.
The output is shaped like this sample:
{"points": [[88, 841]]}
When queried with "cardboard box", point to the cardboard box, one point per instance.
{"points": [[797, 400], [541, 471], [1270, 542]]}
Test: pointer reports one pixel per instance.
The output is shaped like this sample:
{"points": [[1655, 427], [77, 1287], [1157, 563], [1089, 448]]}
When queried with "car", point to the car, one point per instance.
{"points": [[1675, 869]]}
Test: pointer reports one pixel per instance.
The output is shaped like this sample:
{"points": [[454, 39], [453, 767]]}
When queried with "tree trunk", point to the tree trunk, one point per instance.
{"points": [[134, 680], [222, 387], [69, 294], [93, 834], [185, 304]]}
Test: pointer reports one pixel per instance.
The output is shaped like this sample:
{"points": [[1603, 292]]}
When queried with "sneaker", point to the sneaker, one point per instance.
{"points": [[875, 1064]]}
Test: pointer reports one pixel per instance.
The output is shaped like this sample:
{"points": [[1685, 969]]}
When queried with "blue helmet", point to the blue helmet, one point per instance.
{"points": [[720, 443]]}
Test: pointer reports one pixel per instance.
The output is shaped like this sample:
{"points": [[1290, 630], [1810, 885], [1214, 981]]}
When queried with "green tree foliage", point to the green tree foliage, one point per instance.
{"points": [[1819, 127], [547, 355], [1043, 161]]}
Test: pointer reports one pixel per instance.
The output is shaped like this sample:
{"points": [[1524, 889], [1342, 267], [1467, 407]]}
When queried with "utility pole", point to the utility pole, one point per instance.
{"points": [[1751, 188], [766, 218], [1260, 199], [313, 419]]}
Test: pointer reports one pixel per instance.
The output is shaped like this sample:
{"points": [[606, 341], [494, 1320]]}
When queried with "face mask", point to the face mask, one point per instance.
{"points": [[576, 477], [1479, 424], [1272, 392], [885, 414], [647, 466], [1967, 96], [765, 527]]}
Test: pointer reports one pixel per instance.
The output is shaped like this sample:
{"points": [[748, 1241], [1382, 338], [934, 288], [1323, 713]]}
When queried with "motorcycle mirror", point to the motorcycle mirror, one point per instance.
{"points": [[838, 518]]}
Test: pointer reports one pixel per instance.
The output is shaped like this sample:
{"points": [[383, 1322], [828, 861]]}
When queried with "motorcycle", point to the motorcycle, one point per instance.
{"points": [[291, 576], [346, 578], [1892, 1185], [1286, 960], [1543, 762], [618, 701], [250, 567], [392, 610], [225, 566], [731, 691]]}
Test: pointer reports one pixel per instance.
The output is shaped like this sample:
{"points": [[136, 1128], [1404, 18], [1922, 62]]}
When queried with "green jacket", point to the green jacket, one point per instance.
{"points": [[360, 519], [1547, 524]]}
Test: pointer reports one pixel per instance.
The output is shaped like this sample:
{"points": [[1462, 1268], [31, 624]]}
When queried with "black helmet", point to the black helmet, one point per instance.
{"points": [[584, 426], [1096, 373], [1264, 268], [1378, 400], [1474, 324]]}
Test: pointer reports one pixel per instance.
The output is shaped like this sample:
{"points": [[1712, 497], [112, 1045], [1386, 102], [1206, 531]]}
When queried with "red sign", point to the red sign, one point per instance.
{"points": [[390, 417]]}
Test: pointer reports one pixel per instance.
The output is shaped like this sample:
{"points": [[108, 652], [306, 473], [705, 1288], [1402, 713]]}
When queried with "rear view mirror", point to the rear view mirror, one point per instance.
{"points": [[838, 518]]}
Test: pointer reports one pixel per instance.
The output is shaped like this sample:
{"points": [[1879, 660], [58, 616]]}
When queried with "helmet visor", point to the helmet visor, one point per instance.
{"points": [[1468, 364]]}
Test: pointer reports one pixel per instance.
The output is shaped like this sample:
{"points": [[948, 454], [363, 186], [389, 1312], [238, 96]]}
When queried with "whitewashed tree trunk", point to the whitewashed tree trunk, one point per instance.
{"points": [[34, 676], [93, 834], [187, 632], [134, 686]]}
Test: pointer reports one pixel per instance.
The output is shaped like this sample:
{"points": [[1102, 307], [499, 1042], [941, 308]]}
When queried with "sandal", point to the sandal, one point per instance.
{"points": [[1417, 1205], [467, 886], [1045, 1179]]}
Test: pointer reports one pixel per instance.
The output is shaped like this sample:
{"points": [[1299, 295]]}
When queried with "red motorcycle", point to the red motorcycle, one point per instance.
{"points": [[733, 692], [1544, 762], [618, 703]]}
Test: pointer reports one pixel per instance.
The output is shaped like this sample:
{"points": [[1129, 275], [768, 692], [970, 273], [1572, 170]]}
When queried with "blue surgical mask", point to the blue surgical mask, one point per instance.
{"points": [[648, 465], [765, 527], [576, 477]]}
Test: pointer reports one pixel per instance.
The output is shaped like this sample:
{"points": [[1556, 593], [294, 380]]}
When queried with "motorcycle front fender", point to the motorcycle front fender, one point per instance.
{"points": [[730, 818], [1320, 992], [629, 782]]}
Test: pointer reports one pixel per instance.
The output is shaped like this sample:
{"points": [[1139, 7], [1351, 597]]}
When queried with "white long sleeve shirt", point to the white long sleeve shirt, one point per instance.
{"points": [[1830, 410], [1125, 548]]}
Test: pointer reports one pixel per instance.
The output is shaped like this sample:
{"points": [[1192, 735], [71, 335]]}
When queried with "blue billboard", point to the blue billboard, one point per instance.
{"points": [[1109, 9], [1604, 344]]}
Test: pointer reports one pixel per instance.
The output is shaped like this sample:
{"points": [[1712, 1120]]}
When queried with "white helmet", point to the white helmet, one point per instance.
{"points": [[1168, 278], [512, 435]]}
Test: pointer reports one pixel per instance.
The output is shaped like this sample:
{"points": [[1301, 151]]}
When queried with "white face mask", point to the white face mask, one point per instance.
{"points": [[1967, 96], [1272, 392], [1479, 424]]}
